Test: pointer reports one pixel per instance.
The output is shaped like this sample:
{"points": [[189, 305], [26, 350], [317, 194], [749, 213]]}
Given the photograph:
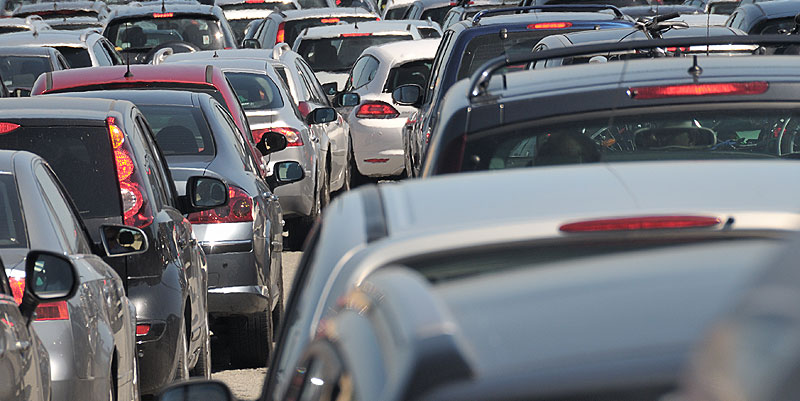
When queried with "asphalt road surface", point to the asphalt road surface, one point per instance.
{"points": [[246, 383]]}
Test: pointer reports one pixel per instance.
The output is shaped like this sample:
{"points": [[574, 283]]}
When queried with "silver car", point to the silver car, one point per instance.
{"points": [[90, 337], [86, 48]]}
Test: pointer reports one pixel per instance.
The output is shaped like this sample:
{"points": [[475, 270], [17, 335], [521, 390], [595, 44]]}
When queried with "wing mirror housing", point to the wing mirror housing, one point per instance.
{"points": [[49, 277], [321, 115], [203, 193], [347, 99], [288, 172], [330, 88], [251, 44], [407, 95], [119, 240], [271, 142], [207, 390]]}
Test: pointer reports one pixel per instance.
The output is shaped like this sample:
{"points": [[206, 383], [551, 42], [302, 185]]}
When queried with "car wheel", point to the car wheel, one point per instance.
{"points": [[182, 368], [254, 342], [356, 179], [203, 366]]}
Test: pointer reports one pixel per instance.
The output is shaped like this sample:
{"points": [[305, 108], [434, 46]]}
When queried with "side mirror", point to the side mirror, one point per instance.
{"points": [[330, 88], [203, 193], [407, 95], [121, 240], [288, 172], [271, 142], [49, 277], [348, 99], [321, 115], [251, 44], [207, 390]]}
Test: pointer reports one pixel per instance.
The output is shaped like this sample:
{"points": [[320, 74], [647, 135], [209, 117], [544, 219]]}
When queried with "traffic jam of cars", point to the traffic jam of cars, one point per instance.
{"points": [[492, 199]]}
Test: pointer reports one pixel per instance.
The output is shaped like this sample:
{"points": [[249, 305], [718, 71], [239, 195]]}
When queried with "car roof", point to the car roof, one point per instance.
{"points": [[141, 9], [54, 108], [405, 50], [374, 27], [183, 73], [500, 19], [48, 37], [149, 97], [61, 5], [772, 9], [253, 64], [26, 51], [324, 12]]}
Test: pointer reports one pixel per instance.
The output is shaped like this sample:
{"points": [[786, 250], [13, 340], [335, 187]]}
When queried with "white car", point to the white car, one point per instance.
{"points": [[377, 122]]}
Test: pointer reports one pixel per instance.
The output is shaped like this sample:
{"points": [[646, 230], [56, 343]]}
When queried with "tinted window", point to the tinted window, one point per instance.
{"points": [[11, 29], [145, 34], [312, 3], [722, 7], [293, 28], [415, 72], [62, 212], [81, 158], [339, 54], [22, 71], [179, 130], [363, 72], [100, 54], [77, 57], [397, 12], [616, 3], [267, 5], [12, 228], [239, 26], [255, 91], [436, 14]]}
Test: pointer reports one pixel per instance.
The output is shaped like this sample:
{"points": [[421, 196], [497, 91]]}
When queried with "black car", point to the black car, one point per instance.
{"points": [[768, 17], [466, 9], [660, 108], [20, 66], [105, 154]]}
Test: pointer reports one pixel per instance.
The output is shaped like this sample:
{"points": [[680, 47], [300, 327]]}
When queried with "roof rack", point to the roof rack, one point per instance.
{"points": [[479, 81], [570, 8]]}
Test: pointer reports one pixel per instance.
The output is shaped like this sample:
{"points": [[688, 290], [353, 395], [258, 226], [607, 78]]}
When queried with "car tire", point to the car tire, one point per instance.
{"points": [[182, 349], [203, 366], [254, 342]]}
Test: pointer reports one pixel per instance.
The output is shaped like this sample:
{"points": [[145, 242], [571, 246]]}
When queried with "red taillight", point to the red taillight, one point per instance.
{"points": [[304, 108], [46, 311], [640, 223], [292, 135], [377, 110], [376, 160], [350, 35], [728, 88], [239, 209], [163, 15], [329, 20], [135, 210], [7, 127], [550, 25], [675, 49], [142, 329], [254, 1], [279, 38]]}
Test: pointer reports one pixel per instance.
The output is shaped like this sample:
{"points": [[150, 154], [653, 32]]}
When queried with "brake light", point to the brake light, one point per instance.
{"points": [[350, 35], [292, 135], [254, 1], [162, 15], [142, 329], [377, 110], [136, 210], [640, 223], [7, 127], [728, 88], [239, 209], [329, 20], [46, 311], [675, 49], [550, 25], [376, 160], [279, 38]]}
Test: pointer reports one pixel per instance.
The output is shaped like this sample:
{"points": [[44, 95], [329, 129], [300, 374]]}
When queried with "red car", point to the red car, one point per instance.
{"points": [[195, 78]]}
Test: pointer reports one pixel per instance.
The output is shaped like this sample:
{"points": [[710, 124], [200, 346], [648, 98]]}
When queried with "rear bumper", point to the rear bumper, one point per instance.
{"points": [[79, 389], [381, 141], [156, 353]]}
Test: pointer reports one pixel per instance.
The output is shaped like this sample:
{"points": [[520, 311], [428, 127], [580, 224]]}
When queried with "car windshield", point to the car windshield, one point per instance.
{"points": [[22, 71], [179, 130], [733, 132], [81, 157], [12, 226], [77, 57], [255, 91], [436, 14], [415, 72], [339, 54], [143, 34], [293, 28]]}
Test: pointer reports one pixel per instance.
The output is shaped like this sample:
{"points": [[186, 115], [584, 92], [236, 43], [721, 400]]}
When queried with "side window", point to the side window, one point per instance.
{"points": [[54, 195], [316, 88], [437, 64], [735, 20], [363, 72], [116, 59], [312, 95], [153, 172], [397, 12], [101, 54], [224, 119], [62, 62]]}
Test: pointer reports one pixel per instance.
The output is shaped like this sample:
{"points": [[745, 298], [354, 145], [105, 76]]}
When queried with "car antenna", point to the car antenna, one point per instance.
{"points": [[128, 73], [163, 7], [215, 54], [695, 70]]}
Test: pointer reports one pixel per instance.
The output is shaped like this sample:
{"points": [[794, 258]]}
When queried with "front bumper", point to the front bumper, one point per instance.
{"points": [[238, 300], [380, 140]]}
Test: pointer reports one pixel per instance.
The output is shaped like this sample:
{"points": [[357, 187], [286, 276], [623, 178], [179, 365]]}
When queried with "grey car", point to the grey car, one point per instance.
{"points": [[20, 66], [90, 337], [87, 48]]}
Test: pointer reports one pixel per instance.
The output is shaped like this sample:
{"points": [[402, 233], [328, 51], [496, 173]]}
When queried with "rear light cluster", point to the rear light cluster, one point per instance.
{"points": [[292, 135], [142, 329], [46, 311], [7, 127], [640, 223], [281, 36], [163, 15], [377, 110], [727, 88], [239, 209], [550, 25], [136, 209], [350, 35], [329, 20]]}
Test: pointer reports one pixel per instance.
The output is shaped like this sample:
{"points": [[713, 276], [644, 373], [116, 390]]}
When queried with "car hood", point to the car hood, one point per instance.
{"points": [[183, 167]]}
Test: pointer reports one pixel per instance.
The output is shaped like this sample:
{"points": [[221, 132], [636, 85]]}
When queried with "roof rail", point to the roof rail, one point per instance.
{"points": [[479, 81], [570, 8]]}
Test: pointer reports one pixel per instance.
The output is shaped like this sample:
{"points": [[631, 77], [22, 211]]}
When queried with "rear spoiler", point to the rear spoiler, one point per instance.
{"points": [[479, 81], [566, 8]]}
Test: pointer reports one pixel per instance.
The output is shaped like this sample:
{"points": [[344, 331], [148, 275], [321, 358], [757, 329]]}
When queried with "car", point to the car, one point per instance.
{"points": [[724, 7], [87, 48], [434, 10], [464, 10], [101, 150], [331, 51], [9, 24], [635, 125], [240, 13], [63, 9], [75, 23], [285, 26], [143, 30], [770, 17], [20, 66], [91, 335], [24, 359], [377, 123], [243, 241]]}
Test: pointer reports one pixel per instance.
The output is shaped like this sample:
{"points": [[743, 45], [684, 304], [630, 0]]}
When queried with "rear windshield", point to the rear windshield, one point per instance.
{"points": [[239, 26], [12, 226], [179, 130], [725, 7], [339, 54], [11, 29], [77, 57], [259, 5], [436, 14], [81, 157], [312, 4], [72, 27], [255, 91], [684, 134], [415, 72], [60, 14], [141, 35], [615, 3], [292, 29], [22, 71]]}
